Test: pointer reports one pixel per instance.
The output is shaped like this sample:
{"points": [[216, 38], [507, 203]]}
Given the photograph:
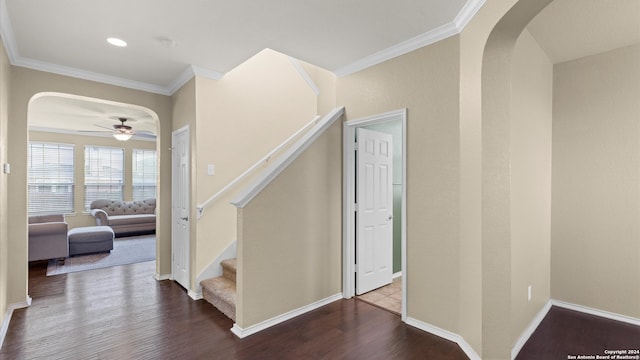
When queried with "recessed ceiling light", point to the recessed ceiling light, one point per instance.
{"points": [[117, 42]]}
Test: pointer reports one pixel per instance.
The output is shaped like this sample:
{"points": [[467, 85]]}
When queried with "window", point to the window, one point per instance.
{"points": [[103, 174], [144, 174], [50, 178]]}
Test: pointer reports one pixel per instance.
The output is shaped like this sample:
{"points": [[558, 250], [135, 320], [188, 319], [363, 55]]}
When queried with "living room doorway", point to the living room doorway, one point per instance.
{"points": [[81, 149]]}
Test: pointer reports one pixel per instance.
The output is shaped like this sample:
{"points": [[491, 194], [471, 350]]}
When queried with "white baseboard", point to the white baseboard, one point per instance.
{"points": [[162, 277], [397, 275], [195, 295], [468, 350], [9, 314], [242, 333], [596, 312], [530, 329]]}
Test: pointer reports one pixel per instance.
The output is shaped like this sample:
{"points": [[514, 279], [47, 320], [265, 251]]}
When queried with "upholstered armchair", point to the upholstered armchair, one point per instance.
{"points": [[48, 237]]}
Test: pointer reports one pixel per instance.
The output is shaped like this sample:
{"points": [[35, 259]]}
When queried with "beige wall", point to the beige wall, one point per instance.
{"points": [[531, 109], [596, 197], [290, 236], [27, 83], [427, 83], [240, 118], [4, 207], [81, 217]]}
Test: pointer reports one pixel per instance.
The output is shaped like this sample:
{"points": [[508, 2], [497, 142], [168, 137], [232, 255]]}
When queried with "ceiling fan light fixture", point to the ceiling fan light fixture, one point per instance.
{"points": [[122, 136], [116, 42]]}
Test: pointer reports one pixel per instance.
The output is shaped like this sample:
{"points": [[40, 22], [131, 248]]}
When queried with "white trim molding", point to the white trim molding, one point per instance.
{"points": [[244, 332], [195, 295], [405, 47], [7, 317], [445, 334], [596, 312], [159, 277], [442, 32], [188, 74], [305, 75], [530, 329], [469, 10]]}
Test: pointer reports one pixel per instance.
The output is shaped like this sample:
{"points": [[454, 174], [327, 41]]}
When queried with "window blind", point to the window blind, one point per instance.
{"points": [[144, 174], [103, 174], [50, 178]]}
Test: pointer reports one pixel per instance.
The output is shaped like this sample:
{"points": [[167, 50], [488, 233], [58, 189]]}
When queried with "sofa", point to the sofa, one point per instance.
{"points": [[125, 217], [48, 237]]}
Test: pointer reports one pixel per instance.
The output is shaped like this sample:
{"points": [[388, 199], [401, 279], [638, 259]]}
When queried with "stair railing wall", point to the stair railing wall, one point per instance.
{"points": [[287, 158], [265, 159]]}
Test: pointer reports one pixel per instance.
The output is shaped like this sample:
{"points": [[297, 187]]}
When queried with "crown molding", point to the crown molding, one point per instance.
{"points": [[88, 75], [6, 32], [189, 73], [469, 10], [465, 15], [203, 72], [8, 38], [305, 75], [407, 46]]}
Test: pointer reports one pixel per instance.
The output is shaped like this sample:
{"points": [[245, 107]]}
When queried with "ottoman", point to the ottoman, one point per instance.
{"points": [[91, 239]]}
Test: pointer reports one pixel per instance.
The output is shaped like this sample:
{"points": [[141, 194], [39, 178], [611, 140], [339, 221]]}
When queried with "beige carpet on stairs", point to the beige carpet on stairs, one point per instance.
{"points": [[221, 291]]}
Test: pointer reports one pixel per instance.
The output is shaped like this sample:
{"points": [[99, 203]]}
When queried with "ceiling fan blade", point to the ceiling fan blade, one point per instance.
{"points": [[94, 131], [144, 134], [103, 127]]}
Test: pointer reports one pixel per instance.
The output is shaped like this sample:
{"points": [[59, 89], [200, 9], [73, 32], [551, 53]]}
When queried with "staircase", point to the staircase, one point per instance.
{"points": [[221, 291]]}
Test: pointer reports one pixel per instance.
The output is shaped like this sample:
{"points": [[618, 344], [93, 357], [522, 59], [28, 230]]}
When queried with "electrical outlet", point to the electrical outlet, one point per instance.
{"points": [[529, 293], [211, 169]]}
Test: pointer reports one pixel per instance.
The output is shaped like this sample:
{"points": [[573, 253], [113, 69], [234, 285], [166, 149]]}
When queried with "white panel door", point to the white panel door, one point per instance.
{"points": [[374, 196], [180, 207]]}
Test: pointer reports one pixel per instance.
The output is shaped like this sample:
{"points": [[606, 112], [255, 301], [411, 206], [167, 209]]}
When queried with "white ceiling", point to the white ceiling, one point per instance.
{"points": [[64, 113], [215, 36], [212, 37], [570, 29]]}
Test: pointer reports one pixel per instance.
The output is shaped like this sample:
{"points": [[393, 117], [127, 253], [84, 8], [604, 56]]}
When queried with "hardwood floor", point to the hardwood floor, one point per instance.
{"points": [[565, 332], [123, 313]]}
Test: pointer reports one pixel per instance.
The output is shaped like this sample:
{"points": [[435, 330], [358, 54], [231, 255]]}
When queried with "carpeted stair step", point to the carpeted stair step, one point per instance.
{"points": [[229, 269], [221, 293]]}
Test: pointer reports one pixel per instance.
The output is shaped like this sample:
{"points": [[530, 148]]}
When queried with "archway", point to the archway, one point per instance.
{"points": [[83, 122], [495, 179]]}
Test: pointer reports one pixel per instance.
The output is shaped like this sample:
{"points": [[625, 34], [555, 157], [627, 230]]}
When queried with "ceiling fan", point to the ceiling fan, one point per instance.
{"points": [[124, 132]]}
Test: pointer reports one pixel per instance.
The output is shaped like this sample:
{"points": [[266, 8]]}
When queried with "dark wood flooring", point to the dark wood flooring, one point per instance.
{"points": [[566, 332], [123, 313]]}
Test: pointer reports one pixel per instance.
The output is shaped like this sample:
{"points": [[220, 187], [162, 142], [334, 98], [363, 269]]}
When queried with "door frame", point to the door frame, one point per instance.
{"points": [[174, 134], [348, 192]]}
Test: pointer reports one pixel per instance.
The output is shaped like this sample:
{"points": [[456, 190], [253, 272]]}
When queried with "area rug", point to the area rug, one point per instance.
{"points": [[126, 250]]}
